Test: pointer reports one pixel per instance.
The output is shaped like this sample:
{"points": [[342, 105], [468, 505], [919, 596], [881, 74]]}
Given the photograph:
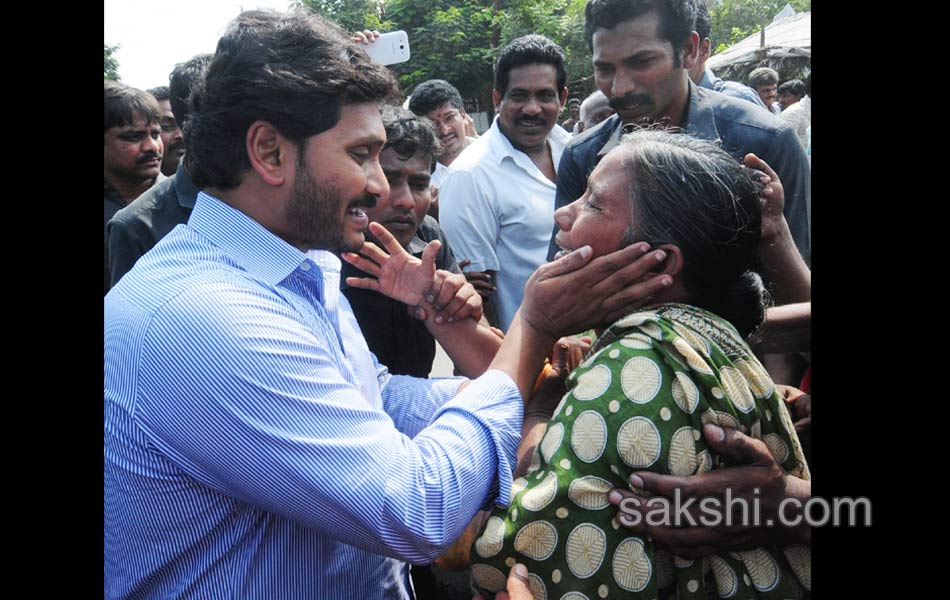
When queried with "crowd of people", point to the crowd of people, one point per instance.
{"points": [[289, 236]]}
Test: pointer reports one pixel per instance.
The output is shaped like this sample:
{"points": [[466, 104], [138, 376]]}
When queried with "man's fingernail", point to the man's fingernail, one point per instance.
{"points": [[585, 251], [615, 497], [715, 433], [430, 298], [521, 571], [666, 281], [660, 255], [451, 319], [438, 319], [636, 481]]}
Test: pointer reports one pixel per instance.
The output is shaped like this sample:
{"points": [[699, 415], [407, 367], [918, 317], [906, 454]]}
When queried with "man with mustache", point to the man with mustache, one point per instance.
{"points": [[642, 53], [498, 198], [401, 341], [136, 228], [172, 137], [132, 146], [440, 102]]}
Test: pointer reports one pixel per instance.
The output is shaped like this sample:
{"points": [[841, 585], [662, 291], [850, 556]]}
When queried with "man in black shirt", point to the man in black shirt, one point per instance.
{"points": [[400, 341]]}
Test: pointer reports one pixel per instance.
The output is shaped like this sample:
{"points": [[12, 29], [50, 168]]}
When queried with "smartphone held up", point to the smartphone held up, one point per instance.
{"points": [[389, 48]]}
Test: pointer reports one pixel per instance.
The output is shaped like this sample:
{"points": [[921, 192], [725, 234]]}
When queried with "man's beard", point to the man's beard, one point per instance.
{"points": [[315, 216]]}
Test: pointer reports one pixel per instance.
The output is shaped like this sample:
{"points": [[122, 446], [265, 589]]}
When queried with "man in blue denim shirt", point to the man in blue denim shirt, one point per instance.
{"points": [[642, 50]]}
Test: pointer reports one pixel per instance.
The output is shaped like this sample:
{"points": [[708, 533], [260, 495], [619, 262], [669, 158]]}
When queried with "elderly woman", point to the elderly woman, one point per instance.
{"points": [[648, 385]]}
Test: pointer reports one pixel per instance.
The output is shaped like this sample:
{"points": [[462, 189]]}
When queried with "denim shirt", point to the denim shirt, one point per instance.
{"points": [[736, 126]]}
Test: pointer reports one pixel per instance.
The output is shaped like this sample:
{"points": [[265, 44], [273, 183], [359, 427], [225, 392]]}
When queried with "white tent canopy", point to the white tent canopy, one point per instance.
{"points": [[789, 37]]}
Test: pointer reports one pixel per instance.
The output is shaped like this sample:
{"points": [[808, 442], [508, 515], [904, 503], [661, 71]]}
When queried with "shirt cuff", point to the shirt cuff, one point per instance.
{"points": [[493, 401]]}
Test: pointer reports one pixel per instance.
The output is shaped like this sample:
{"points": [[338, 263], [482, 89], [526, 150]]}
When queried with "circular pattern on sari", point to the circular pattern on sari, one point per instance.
{"points": [[631, 565], [589, 436], [682, 457], [552, 441], [590, 492], [638, 442], [727, 584], [685, 393], [536, 540], [799, 559], [585, 549], [489, 578], [541, 494], [537, 587], [777, 447], [762, 569], [492, 539], [693, 359], [640, 379], [739, 393], [592, 384]]}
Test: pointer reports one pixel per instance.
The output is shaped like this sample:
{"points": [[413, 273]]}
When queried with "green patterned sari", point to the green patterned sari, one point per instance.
{"points": [[638, 402]]}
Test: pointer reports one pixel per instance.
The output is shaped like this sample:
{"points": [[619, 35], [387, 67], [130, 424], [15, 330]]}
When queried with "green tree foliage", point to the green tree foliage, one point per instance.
{"points": [[111, 70], [352, 15], [734, 20], [561, 21], [449, 39]]}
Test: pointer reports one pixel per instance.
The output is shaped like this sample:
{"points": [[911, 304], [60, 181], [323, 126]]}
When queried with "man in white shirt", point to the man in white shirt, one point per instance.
{"points": [[799, 114], [498, 198], [440, 102]]}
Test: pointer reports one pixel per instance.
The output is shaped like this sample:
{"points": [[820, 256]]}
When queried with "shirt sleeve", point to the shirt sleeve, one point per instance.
{"points": [[470, 220], [787, 156], [244, 395]]}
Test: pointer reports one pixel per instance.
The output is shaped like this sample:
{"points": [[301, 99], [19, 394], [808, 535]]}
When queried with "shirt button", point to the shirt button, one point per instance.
{"points": [[305, 266]]}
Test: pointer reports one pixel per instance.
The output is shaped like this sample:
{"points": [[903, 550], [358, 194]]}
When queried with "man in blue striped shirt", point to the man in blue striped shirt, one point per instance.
{"points": [[254, 448]]}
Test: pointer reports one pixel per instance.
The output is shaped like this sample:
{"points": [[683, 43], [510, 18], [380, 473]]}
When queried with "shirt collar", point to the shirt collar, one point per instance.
{"points": [[185, 188], [252, 247], [700, 120], [501, 147]]}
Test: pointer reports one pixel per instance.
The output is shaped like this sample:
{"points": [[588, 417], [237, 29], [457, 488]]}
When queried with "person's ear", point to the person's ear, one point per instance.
{"points": [[673, 263], [691, 50], [563, 97], [496, 98], [268, 152], [705, 48]]}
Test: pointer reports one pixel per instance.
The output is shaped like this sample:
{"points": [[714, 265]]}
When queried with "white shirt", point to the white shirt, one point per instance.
{"points": [[799, 116], [438, 176], [497, 209]]}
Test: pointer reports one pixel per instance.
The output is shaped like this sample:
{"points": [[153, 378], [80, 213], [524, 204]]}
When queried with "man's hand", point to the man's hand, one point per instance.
{"points": [[480, 279], [772, 199], [517, 585], [366, 36], [799, 405], [755, 475], [452, 298], [398, 274], [568, 352], [575, 293]]}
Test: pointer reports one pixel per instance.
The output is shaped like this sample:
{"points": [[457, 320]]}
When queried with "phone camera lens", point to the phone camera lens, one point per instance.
{"points": [[401, 47]]}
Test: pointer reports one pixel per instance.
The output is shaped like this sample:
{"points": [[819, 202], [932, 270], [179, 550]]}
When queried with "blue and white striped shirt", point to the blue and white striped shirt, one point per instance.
{"points": [[254, 448]]}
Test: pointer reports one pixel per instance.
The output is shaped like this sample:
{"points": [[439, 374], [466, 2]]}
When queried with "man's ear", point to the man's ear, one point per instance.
{"points": [[705, 49], [673, 263], [563, 96], [269, 153], [691, 50], [496, 98]]}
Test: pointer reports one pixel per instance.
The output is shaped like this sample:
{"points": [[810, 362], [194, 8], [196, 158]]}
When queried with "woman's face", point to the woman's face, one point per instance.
{"points": [[602, 216]]}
